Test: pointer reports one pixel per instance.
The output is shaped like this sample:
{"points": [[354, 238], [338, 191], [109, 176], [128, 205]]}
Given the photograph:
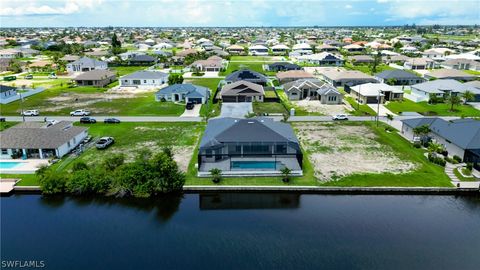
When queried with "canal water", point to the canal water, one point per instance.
{"points": [[243, 231]]}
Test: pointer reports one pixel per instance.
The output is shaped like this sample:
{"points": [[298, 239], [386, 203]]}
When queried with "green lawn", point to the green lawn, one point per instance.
{"points": [[362, 110], [60, 100], [424, 108], [367, 69], [5, 125], [463, 178], [233, 66], [211, 108], [261, 108], [473, 72], [124, 70], [427, 174], [26, 179]]}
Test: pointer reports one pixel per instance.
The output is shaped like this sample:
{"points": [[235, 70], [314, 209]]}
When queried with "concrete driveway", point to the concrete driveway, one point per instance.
{"points": [[383, 111], [195, 112], [238, 110]]}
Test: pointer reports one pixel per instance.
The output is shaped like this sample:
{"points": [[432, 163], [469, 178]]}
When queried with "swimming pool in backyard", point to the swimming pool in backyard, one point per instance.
{"points": [[266, 165], [9, 164]]}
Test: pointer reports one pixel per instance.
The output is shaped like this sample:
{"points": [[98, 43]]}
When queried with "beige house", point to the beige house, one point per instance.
{"points": [[293, 75], [312, 89], [98, 78], [242, 91]]}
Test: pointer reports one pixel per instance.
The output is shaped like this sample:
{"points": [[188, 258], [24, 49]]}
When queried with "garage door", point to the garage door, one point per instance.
{"points": [[195, 100]]}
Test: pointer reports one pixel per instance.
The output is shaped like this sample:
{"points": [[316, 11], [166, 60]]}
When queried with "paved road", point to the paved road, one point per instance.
{"points": [[199, 119], [101, 118]]}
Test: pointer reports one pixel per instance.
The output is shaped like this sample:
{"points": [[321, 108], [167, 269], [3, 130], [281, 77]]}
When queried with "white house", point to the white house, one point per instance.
{"points": [[144, 79], [85, 64]]}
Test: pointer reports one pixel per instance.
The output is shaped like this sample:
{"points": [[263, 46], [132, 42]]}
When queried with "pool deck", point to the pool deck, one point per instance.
{"points": [[27, 166], [7, 185]]}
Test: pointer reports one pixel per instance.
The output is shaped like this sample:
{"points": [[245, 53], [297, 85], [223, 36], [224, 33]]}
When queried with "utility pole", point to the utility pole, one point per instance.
{"points": [[21, 106]]}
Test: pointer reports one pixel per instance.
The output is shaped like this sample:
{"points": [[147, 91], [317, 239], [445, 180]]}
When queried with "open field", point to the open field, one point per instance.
{"points": [[360, 154], [317, 108], [299, 110], [124, 70], [261, 108], [60, 100], [424, 108]]}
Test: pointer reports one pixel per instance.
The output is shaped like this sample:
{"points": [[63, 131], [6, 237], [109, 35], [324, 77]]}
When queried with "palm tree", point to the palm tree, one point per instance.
{"points": [[435, 147], [216, 175], [453, 100], [286, 174], [422, 131], [468, 96]]}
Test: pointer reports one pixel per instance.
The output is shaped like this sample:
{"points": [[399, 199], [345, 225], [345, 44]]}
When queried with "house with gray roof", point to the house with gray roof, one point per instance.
{"points": [[85, 64], [460, 137], [183, 93], [242, 91], [40, 140], [450, 74], [98, 78], [144, 79], [312, 89], [247, 75], [369, 93], [282, 66], [398, 77], [441, 88], [253, 146]]}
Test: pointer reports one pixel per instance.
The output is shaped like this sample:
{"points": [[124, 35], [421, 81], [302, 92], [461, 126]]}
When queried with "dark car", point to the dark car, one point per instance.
{"points": [[104, 142], [88, 120], [190, 106], [111, 121]]}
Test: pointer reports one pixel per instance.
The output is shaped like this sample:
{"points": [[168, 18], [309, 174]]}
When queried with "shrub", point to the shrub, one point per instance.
{"points": [[79, 166], [469, 166], [417, 145], [52, 183], [457, 158], [216, 175]]}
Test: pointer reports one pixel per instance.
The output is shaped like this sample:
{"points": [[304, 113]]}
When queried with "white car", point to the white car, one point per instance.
{"points": [[80, 113], [31, 113], [340, 117]]}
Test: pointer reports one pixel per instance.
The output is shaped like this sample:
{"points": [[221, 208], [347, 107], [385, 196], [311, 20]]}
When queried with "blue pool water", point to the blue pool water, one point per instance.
{"points": [[254, 165], [9, 164]]}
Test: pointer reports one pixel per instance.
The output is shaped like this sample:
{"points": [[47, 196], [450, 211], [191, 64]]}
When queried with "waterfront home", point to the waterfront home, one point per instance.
{"points": [[302, 49], [369, 93], [312, 89], [258, 50], [247, 75], [292, 75], [142, 60], [327, 48], [441, 88], [282, 66], [40, 140], [184, 93], [85, 64], [460, 137], [242, 91], [437, 53], [450, 74], [98, 78], [398, 77], [321, 59], [144, 79], [253, 146], [346, 78]]}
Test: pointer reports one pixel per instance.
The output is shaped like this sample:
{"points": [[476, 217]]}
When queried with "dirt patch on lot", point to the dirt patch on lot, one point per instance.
{"points": [[336, 151], [75, 100], [316, 106]]}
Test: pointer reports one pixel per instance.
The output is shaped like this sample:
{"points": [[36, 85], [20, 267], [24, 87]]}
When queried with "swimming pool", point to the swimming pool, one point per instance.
{"points": [[271, 165], [9, 164]]}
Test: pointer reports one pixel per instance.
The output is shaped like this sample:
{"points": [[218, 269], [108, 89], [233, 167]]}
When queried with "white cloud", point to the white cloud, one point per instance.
{"points": [[348, 6], [34, 7], [407, 9]]}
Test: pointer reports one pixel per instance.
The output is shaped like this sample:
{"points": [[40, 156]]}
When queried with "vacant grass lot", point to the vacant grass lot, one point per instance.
{"points": [[299, 111], [233, 66], [126, 69], [367, 69], [261, 108], [60, 100], [424, 108]]}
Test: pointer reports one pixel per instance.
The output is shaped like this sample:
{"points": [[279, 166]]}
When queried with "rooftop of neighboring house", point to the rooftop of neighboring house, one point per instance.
{"points": [[190, 90], [334, 74], [39, 135], [145, 75], [258, 130], [374, 89], [243, 88], [95, 75], [5, 88], [246, 74], [142, 58], [464, 133], [320, 56], [87, 61], [293, 74], [449, 73], [436, 86], [396, 74]]}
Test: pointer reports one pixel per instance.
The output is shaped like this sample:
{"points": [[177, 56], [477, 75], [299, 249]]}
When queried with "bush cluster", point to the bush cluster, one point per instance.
{"points": [[436, 159], [147, 175]]}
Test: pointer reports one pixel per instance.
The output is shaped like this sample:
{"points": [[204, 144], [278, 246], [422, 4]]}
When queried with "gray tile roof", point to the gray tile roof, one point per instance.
{"points": [[90, 62], [246, 75], [145, 75], [464, 133], [396, 74], [37, 135], [190, 90], [437, 86], [225, 130], [95, 75]]}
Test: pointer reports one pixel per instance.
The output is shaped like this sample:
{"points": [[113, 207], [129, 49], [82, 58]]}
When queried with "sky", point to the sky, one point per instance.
{"points": [[236, 13]]}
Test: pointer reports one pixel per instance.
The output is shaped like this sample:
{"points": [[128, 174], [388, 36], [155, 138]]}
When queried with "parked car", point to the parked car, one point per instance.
{"points": [[81, 112], [190, 106], [30, 113], [340, 117], [111, 121], [88, 120], [28, 77], [104, 142], [2, 119]]}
